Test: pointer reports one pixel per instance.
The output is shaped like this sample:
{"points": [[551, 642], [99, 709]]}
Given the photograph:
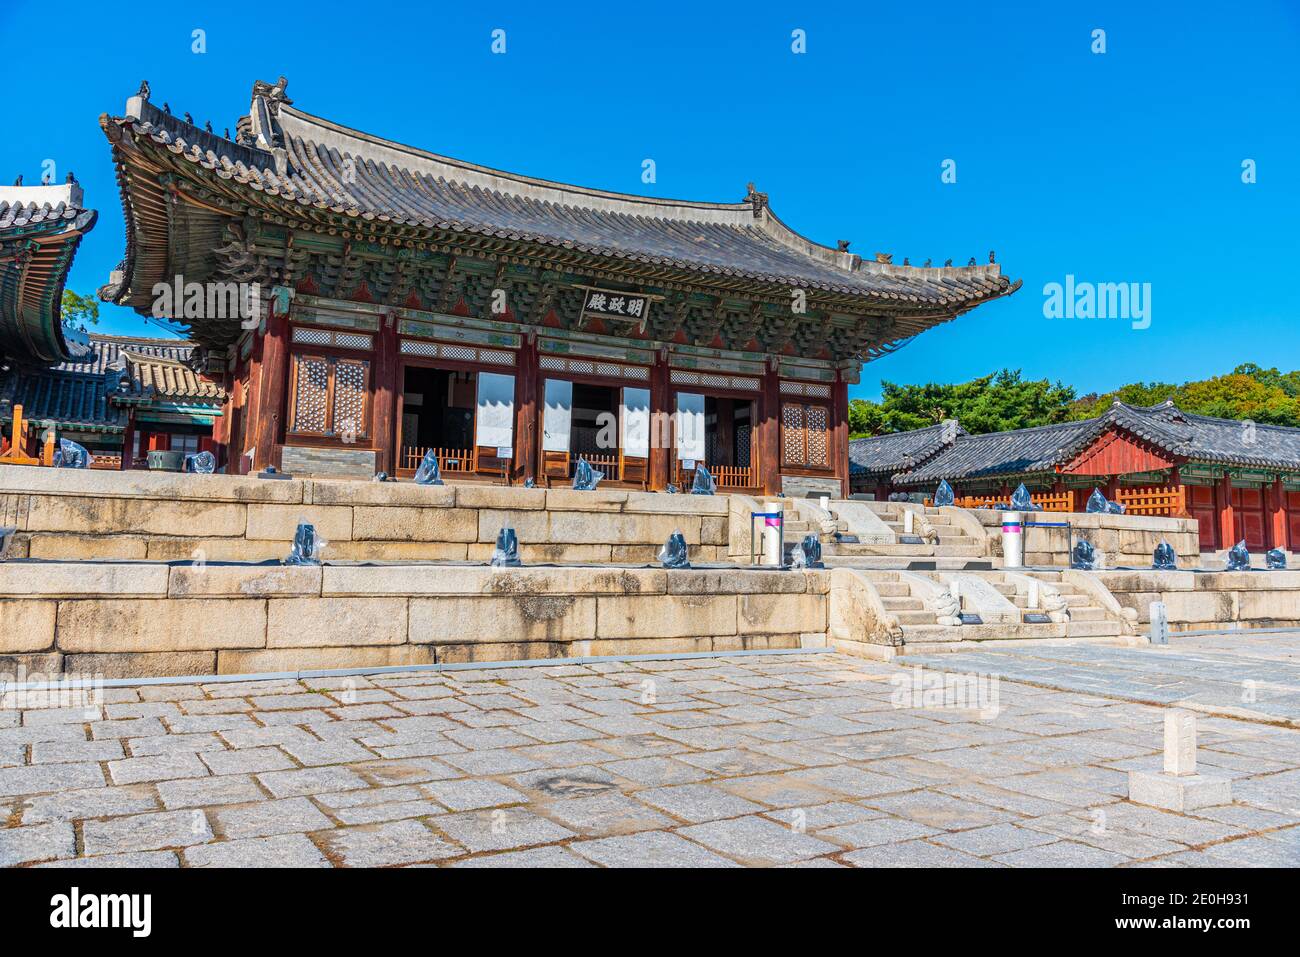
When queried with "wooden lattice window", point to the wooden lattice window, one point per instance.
{"points": [[329, 396], [805, 435]]}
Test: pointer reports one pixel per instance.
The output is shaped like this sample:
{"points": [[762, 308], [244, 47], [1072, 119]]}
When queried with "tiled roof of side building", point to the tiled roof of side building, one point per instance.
{"points": [[303, 166], [885, 455], [1000, 453], [1182, 435], [80, 400]]}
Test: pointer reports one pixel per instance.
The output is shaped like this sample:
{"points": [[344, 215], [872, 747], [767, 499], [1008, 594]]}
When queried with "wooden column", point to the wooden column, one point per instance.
{"points": [[128, 441], [660, 427], [1275, 527], [387, 365], [272, 386], [1112, 487], [840, 393], [1223, 506], [527, 407], [769, 433]]}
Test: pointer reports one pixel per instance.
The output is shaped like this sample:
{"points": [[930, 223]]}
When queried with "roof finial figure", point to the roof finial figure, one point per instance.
{"points": [[843, 244], [992, 257], [928, 261], [167, 108], [947, 262], [189, 118], [972, 261], [207, 125], [71, 178], [885, 258], [227, 132], [275, 93], [19, 180], [906, 261], [755, 199], [144, 91]]}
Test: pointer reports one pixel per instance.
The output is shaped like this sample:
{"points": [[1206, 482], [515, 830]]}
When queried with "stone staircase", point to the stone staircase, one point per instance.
{"points": [[920, 602], [943, 544]]}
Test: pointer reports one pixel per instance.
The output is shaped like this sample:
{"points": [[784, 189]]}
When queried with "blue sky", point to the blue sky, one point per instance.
{"points": [[1115, 167]]}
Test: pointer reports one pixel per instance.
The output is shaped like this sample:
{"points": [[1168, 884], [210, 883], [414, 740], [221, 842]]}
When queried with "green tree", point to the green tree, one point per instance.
{"points": [[992, 403], [78, 309]]}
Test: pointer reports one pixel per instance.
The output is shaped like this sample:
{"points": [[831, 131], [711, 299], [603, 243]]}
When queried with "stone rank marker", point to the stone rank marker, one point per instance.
{"points": [[1178, 787]]}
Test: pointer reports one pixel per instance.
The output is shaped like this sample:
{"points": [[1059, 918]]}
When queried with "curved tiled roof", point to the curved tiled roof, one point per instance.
{"points": [[884, 455], [70, 399], [120, 371], [40, 229], [1182, 435], [303, 165]]}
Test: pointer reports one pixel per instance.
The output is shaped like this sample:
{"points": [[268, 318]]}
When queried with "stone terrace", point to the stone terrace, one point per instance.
{"points": [[799, 759]]}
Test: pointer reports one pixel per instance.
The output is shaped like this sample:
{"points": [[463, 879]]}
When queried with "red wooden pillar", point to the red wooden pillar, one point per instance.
{"points": [[1112, 487], [660, 422], [128, 442], [1275, 527], [840, 391], [882, 492], [386, 388], [769, 433], [272, 386], [1223, 505], [527, 426]]}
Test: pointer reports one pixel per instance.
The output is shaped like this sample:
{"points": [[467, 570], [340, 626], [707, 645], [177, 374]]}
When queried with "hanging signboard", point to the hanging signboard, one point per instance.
{"points": [[608, 304]]}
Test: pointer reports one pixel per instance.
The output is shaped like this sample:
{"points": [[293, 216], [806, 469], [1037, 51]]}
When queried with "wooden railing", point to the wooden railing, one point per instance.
{"points": [[725, 476], [27, 446], [609, 465], [449, 460], [1153, 500], [1047, 501]]}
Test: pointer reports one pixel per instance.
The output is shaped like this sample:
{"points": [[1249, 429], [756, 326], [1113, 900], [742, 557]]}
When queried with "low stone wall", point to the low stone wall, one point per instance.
{"points": [[124, 619], [1209, 600], [1122, 539], [76, 514]]}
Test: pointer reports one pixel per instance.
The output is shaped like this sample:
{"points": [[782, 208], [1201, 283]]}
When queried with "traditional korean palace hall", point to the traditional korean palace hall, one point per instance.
{"points": [[404, 301], [1239, 480]]}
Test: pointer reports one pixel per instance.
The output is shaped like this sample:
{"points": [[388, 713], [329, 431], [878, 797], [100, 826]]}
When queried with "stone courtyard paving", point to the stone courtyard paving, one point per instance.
{"points": [[800, 760], [1247, 674]]}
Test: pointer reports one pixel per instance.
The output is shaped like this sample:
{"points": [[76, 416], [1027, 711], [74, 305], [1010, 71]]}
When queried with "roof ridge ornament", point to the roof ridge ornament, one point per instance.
{"points": [[274, 93], [756, 200]]}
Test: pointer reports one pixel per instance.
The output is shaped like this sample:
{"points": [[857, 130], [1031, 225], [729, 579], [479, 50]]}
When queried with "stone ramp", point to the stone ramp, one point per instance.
{"points": [[1251, 676]]}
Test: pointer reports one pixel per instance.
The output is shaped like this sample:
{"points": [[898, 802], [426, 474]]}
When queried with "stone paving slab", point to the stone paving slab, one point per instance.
{"points": [[1241, 674], [789, 761]]}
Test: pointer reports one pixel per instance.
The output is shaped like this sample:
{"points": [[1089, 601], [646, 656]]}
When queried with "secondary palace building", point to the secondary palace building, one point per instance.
{"points": [[361, 302], [1239, 480]]}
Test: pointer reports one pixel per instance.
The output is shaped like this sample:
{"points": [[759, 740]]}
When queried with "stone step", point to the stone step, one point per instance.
{"points": [[892, 589], [882, 549], [968, 547], [1088, 613], [1094, 629], [914, 617], [873, 563], [902, 603]]}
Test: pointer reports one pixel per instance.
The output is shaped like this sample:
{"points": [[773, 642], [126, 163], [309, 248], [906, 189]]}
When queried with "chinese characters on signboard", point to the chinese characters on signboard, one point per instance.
{"points": [[616, 305]]}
